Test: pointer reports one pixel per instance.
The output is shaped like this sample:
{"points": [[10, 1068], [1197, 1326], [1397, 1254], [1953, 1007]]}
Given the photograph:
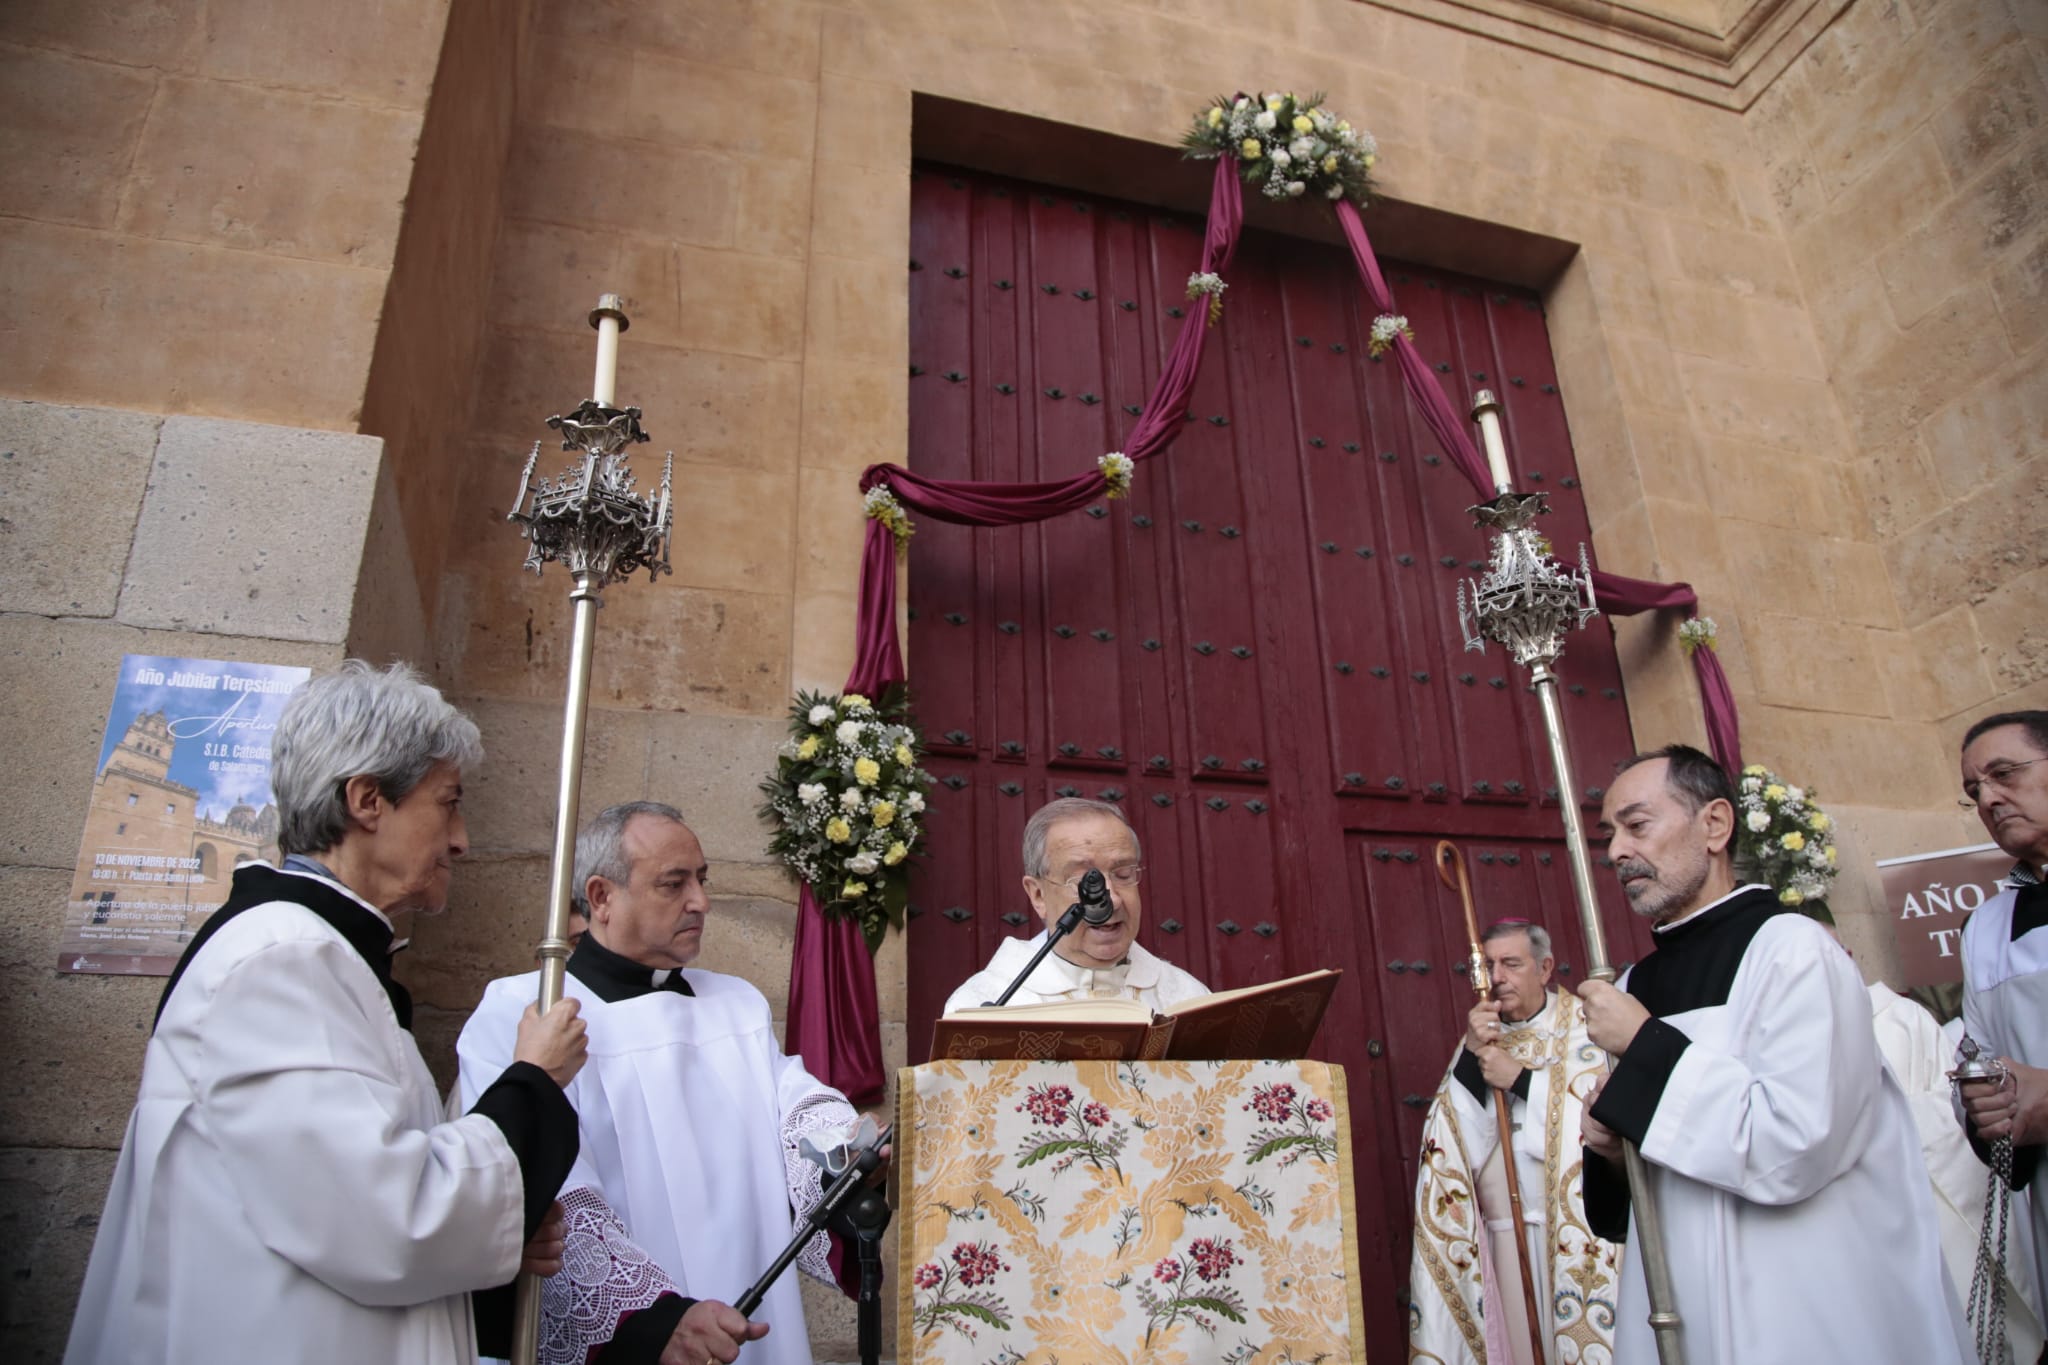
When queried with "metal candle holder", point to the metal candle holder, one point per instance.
{"points": [[590, 520], [1527, 601]]}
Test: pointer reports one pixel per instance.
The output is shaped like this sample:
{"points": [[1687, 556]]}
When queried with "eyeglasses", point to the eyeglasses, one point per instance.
{"points": [[1999, 776], [1122, 876]]}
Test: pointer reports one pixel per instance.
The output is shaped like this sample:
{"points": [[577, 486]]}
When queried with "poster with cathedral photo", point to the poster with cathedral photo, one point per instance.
{"points": [[180, 798]]}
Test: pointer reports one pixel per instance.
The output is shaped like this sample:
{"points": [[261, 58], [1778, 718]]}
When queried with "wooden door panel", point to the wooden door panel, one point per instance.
{"points": [[1360, 648]]}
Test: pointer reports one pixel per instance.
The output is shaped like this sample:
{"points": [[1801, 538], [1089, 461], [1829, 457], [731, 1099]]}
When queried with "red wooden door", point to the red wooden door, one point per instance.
{"points": [[1257, 653]]}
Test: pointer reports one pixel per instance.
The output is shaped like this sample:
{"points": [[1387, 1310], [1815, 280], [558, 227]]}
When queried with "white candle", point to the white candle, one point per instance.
{"points": [[609, 317], [606, 386], [1488, 413]]}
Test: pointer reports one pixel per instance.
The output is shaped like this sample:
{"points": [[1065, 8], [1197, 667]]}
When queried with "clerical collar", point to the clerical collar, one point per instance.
{"points": [[1535, 1023], [355, 919], [613, 978], [313, 867], [2022, 874], [1075, 979], [1695, 915]]}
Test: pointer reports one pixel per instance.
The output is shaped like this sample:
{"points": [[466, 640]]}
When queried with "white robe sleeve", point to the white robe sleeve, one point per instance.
{"points": [[1777, 1123], [305, 1099], [807, 1105]]}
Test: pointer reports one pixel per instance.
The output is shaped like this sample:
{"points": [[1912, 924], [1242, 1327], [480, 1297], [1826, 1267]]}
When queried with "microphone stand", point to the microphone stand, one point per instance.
{"points": [[841, 1193], [865, 1218], [1094, 906]]}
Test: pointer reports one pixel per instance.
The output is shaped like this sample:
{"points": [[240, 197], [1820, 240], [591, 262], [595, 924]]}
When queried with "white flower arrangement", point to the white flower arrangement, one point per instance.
{"points": [[880, 505], [1698, 632], [1286, 146], [846, 799], [1117, 469], [1209, 283], [1385, 329], [1783, 838]]}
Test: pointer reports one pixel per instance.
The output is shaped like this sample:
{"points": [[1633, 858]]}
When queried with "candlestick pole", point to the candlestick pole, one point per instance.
{"points": [[600, 529], [1527, 601]]}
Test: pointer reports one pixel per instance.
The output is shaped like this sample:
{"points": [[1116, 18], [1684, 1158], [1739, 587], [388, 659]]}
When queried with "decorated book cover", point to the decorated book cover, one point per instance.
{"points": [[1275, 1021]]}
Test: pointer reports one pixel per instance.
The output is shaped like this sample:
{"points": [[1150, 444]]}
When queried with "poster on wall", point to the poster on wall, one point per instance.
{"points": [[180, 798], [1930, 896]]}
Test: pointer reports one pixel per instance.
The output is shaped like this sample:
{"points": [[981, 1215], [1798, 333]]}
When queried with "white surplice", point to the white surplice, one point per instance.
{"points": [[1920, 1057], [689, 1115], [1798, 1220], [289, 1188], [1141, 976], [1461, 1166], [2005, 1008]]}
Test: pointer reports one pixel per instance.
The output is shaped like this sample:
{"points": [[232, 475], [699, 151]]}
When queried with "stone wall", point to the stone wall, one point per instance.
{"points": [[430, 335], [199, 204], [1908, 156]]}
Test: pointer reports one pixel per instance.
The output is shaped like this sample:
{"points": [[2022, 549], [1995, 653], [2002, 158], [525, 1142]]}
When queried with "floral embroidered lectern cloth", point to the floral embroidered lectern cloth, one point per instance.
{"points": [[1167, 1212]]}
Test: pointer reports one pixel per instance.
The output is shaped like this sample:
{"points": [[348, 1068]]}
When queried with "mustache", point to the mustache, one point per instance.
{"points": [[1633, 867]]}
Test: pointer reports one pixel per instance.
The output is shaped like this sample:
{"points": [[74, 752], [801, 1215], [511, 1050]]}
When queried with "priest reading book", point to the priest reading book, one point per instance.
{"points": [[1085, 988]]}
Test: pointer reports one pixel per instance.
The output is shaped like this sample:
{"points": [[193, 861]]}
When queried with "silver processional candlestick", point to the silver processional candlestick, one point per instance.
{"points": [[1527, 601], [592, 521]]}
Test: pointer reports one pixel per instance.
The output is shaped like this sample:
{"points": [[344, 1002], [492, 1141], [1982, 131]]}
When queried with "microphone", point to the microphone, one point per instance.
{"points": [[1096, 907]]}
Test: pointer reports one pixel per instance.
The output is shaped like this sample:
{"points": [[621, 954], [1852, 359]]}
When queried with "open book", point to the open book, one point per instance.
{"points": [[1274, 1022]]}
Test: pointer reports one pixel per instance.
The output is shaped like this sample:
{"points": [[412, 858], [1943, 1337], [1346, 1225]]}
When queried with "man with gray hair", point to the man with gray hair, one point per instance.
{"points": [[1063, 842], [1527, 1039], [1797, 1219], [290, 1187], [693, 1170]]}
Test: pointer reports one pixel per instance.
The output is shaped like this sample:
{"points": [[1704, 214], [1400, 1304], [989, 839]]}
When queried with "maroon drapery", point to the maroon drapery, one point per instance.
{"points": [[834, 1020], [833, 1016]]}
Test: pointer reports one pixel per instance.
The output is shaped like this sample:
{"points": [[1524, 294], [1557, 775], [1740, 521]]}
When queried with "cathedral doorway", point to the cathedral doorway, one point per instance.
{"points": [[1256, 654]]}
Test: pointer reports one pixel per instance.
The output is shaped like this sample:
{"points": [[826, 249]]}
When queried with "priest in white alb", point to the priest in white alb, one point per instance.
{"points": [[2005, 970], [290, 1188], [1064, 841], [1528, 1041], [692, 1173], [1798, 1223], [1920, 1056]]}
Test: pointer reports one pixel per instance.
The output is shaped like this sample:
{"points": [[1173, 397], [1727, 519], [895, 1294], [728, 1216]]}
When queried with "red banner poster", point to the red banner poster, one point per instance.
{"points": [[1930, 896]]}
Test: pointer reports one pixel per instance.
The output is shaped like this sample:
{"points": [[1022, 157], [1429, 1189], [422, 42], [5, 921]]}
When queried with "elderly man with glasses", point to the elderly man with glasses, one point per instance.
{"points": [[1063, 842], [1527, 1040], [2005, 960]]}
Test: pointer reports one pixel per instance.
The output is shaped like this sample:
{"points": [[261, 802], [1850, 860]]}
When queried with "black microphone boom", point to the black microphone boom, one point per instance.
{"points": [[1094, 906], [838, 1196]]}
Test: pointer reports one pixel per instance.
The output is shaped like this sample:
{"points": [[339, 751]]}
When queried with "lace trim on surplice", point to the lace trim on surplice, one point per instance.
{"points": [[604, 1276]]}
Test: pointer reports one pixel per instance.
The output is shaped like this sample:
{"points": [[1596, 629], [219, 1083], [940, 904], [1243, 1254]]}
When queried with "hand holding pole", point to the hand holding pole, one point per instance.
{"points": [[1527, 601], [597, 526]]}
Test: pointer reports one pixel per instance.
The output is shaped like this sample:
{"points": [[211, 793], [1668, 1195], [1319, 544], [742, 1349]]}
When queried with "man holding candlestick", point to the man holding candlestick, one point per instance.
{"points": [[1797, 1214], [290, 1186]]}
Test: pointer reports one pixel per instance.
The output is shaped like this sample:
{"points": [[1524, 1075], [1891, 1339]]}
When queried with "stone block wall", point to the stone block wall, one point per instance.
{"points": [[199, 205], [1908, 158]]}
